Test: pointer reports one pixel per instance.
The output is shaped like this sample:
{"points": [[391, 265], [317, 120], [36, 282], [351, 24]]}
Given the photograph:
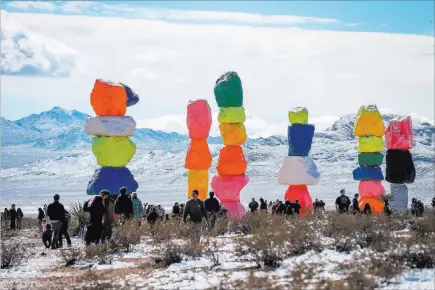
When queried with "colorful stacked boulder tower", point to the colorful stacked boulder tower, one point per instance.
{"points": [[198, 157], [299, 169], [370, 128], [400, 167], [231, 165], [111, 144]]}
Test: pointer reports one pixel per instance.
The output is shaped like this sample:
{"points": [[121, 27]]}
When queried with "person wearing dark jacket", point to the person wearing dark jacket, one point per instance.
{"points": [[96, 211], [288, 208], [64, 231], [47, 235], [56, 213], [20, 216], [5, 217], [263, 205], [175, 210], [420, 209], [342, 202], [152, 216], [13, 217], [196, 211], [433, 202], [281, 208], [109, 215], [367, 209], [41, 216], [253, 205], [212, 204], [296, 207], [355, 204], [123, 204]]}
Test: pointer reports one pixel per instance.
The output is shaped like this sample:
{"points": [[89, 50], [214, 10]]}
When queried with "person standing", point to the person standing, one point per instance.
{"points": [[212, 206], [123, 204], [41, 217], [296, 207], [13, 217], [19, 218], [355, 204], [137, 206], [5, 217], [175, 210], [263, 205], [96, 211], [56, 213], [342, 202], [253, 205], [196, 211], [64, 231], [109, 215]]}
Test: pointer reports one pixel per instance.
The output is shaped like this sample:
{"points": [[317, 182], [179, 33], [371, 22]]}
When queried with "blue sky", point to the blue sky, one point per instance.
{"points": [[410, 17]]}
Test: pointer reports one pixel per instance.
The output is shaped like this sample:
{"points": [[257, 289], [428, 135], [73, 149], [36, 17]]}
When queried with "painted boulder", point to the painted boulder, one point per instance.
{"points": [[400, 167], [376, 204], [298, 170], [108, 98], [228, 188], [233, 134], [110, 126], [113, 151], [198, 119], [231, 161], [197, 179], [198, 155], [370, 188], [235, 210], [231, 115], [132, 97], [228, 90], [301, 194], [399, 201], [298, 115], [398, 134], [369, 122], [111, 179], [368, 173], [370, 144], [300, 137], [370, 159]]}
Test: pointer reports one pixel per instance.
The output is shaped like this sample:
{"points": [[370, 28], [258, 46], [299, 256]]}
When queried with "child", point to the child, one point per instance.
{"points": [[47, 235]]}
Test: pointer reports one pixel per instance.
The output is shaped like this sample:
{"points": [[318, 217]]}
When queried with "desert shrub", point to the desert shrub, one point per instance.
{"points": [[415, 252], [124, 236], [70, 256], [101, 252], [170, 254], [168, 230], [425, 226], [79, 218], [358, 279], [29, 223], [12, 254]]}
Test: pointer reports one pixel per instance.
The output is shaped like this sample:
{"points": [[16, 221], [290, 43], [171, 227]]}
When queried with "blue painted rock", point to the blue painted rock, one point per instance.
{"points": [[111, 179]]}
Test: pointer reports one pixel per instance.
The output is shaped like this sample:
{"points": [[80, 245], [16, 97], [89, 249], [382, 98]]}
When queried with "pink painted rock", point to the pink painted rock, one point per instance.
{"points": [[398, 134], [370, 188], [235, 210], [228, 188], [198, 119]]}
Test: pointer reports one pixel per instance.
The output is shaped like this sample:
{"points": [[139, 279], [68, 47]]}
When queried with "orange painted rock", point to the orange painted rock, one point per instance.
{"points": [[108, 99], [198, 155], [233, 134], [231, 161], [376, 204], [301, 194]]}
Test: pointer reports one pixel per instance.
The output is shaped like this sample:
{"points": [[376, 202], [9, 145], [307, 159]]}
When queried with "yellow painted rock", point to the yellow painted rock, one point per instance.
{"points": [[369, 122], [298, 115], [233, 134], [197, 179], [113, 151], [370, 144], [231, 115]]}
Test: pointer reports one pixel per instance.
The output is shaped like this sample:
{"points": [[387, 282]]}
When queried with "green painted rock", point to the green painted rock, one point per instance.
{"points": [[298, 115], [370, 159], [228, 90], [113, 151]]}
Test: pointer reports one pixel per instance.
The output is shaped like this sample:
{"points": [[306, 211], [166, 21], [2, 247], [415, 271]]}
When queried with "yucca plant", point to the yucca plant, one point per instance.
{"points": [[387, 197], [79, 218]]}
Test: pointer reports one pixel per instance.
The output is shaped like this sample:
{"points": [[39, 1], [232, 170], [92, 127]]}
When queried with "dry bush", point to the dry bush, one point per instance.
{"points": [[101, 252], [171, 254], [70, 256], [425, 226], [91, 281], [79, 218], [250, 282], [358, 279], [124, 236], [415, 252], [29, 223], [219, 229], [210, 250], [12, 254], [168, 230]]}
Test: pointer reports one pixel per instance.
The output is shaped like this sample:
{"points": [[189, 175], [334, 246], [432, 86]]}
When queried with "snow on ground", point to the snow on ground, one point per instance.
{"points": [[200, 273]]}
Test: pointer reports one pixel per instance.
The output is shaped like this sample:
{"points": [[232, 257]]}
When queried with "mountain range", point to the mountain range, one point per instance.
{"points": [[51, 151]]}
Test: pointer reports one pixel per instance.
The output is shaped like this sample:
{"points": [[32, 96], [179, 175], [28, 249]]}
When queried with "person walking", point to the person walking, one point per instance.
{"points": [[342, 202], [96, 211], [109, 215], [64, 231], [20, 216], [212, 207], [56, 213], [123, 204], [196, 211], [355, 204]]}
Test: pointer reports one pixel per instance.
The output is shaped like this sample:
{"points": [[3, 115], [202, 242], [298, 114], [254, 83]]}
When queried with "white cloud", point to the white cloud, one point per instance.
{"points": [[29, 53], [37, 5], [354, 24], [331, 73]]}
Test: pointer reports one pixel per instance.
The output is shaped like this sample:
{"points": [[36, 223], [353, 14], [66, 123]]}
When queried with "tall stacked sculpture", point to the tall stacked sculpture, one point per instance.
{"points": [[299, 169], [400, 167], [111, 144], [231, 165], [369, 127], [198, 157]]}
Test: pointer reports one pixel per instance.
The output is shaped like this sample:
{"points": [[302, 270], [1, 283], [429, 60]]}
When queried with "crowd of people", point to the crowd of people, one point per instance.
{"points": [[104, 210]]}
